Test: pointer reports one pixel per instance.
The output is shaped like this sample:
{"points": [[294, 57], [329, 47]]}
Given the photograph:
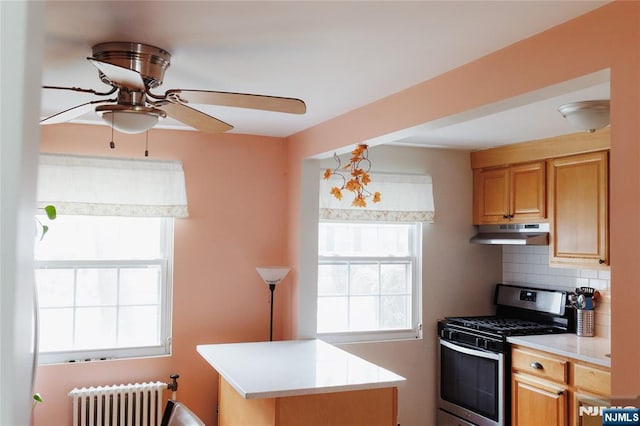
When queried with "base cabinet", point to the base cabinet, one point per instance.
{"points": [[368, 407], [552, 390]]}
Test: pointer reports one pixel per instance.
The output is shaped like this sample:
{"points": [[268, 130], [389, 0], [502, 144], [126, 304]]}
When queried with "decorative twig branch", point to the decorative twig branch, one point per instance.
{"points": [[358, 166]]}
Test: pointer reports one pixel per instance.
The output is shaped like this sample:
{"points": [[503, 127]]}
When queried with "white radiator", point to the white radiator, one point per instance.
{"points": [[140, 404]]}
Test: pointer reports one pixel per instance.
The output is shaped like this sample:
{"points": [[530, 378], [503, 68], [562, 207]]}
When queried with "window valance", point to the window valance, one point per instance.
{"points": [[405, 198], [102, 186]]}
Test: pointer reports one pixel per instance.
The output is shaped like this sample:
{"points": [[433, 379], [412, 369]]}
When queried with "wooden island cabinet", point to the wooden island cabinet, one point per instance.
{"points": [[300, 382], [367, 407]]}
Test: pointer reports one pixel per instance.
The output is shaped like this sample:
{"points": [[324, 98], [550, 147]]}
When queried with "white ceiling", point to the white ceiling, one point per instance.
{"points": [[336, 56]]}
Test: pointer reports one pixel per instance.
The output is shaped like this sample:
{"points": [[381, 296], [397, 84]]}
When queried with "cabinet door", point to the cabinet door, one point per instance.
{"points": [[537, 402], [510, 194], [527, 192], [491, 195], [579, 204], [587, 409]]}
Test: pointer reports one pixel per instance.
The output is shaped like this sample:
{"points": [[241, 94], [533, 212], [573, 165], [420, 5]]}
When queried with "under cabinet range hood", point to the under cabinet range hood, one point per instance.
{"points": [[513, 234]]}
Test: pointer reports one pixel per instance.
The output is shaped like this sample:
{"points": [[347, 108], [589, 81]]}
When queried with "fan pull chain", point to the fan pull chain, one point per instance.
{"points": [[112, 144], [146, 144]]}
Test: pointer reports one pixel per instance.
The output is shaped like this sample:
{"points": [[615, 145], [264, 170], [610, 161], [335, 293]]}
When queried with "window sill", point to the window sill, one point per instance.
{"points": [[370, 336], [57, 358]]}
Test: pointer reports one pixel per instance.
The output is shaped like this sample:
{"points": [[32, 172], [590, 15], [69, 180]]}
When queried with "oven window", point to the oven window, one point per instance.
{"points": [[470, 382]]}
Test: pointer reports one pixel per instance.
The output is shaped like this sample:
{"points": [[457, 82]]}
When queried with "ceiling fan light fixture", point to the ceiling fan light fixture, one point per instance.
{"points": [[586, 115], [130, 119]]}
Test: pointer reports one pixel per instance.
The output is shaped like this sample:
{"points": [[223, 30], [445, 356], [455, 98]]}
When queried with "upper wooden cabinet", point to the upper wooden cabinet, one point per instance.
{"points": [[578, 205], [513, 194]]}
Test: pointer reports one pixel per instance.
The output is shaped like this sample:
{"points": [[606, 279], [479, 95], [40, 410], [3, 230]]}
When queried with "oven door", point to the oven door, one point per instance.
{"points": [[472, 384]]}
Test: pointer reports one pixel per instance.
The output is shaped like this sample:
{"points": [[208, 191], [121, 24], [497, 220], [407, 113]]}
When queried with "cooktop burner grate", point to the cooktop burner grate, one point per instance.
{"points": [[505, 326]]}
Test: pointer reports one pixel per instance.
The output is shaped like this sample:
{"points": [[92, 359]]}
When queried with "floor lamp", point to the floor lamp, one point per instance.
{"points": [[272, 275]]}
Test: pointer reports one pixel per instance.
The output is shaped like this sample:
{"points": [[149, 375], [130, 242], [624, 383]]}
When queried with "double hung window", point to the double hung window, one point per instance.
{"points": [[104, 286], [369, 280], [104, 269], [370, 260]]}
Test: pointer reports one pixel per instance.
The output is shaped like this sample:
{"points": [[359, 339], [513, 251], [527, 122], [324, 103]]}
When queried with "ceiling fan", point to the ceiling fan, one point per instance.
{"points": [[132, 70]]}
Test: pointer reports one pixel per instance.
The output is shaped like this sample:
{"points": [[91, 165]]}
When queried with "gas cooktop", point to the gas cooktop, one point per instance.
{"points": [[520, 311], [505, 326]]}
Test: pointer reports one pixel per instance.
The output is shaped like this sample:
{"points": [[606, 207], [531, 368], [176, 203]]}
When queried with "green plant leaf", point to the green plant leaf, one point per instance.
{"points": [[37, 397], [51, 212], [45, 228]]}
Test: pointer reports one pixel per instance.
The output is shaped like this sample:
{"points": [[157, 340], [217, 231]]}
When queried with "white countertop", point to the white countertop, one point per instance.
{"points": [[293, 367], [587, 349]]}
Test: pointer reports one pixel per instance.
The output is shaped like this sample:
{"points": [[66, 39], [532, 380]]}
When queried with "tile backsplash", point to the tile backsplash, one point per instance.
{"points": [[530, 265]]}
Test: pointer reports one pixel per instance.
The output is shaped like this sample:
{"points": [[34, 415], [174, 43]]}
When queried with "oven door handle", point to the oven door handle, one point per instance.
{"points": [[469, 351]]}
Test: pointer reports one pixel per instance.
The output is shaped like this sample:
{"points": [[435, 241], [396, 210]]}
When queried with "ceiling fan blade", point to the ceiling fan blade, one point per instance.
{"points": [[120, 76], [196, 119], [241, 100], [71, 113], [79, 89]]}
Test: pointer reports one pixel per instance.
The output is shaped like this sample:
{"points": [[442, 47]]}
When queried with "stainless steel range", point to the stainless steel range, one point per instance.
{"points": [[474, 363]]}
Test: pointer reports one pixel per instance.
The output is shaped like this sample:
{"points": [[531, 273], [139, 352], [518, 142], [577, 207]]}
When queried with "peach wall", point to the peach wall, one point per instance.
{"points": [[605, 38], [236, 188]]}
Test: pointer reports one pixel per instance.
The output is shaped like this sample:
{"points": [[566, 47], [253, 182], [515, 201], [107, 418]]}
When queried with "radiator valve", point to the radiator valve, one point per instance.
{"points": [[173, 386]]}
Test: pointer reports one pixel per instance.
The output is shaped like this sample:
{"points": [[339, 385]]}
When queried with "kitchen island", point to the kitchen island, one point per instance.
{"points": [[300, 382]]}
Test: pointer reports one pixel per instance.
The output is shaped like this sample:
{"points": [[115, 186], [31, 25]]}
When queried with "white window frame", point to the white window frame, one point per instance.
{"points": [[166, 277], [415, 332]]}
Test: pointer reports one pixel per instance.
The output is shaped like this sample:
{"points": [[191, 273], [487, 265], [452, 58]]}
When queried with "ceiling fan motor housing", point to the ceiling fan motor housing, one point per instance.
{"points": [[150, 61]]}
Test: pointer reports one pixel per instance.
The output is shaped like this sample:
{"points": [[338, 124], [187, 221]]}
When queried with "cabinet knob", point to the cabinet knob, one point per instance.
{"points": [[560, 392], [601, 261], [536, 365], [505, 216]]}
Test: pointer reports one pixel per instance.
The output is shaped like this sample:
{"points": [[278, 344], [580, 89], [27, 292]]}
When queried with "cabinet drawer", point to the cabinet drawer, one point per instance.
{"points": [[540, 365], [592, 379]]}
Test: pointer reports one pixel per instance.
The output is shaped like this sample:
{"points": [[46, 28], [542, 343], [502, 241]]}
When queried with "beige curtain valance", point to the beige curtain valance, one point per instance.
{"points": [[405, 198], [104, 186]]}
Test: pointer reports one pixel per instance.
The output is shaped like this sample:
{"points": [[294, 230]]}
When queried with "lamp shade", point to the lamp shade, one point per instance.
{"points": [[586, 115], [273, 274]]}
